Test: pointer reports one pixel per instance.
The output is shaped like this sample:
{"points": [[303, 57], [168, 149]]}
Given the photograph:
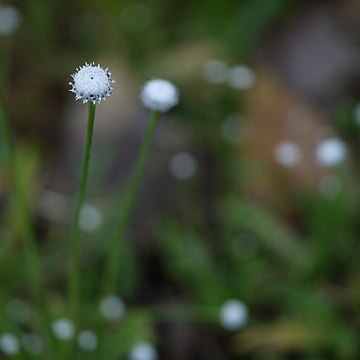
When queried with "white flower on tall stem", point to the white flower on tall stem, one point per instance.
{"points": [[159, 95], [91, 83]]}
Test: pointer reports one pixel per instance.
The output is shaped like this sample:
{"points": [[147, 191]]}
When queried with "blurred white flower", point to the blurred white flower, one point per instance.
{"points": [[215, 71], [63, 329], [233, 314], [241, 77], [87, 340], [287, 153], [183, 165], [112, 307], [10, 19], [331, 152], [91, 83], [91, 218], [32, 343], [9, 344], [160, 95], [143, 351]]}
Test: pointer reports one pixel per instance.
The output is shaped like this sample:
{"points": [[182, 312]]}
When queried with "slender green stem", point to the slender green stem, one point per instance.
{"points": [[128, 202], [74, 270], [31, 251]]}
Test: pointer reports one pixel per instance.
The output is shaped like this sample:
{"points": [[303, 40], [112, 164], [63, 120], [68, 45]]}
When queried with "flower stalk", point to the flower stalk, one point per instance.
{"points": [[112, 263], [74, 266]]}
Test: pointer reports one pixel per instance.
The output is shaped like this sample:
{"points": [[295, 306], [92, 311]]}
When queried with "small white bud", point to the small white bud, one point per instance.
{"points": [[160, 95], [143, 351], [63, 329], [9, 344], [87, 340], [331, 152], [91, 83], [10, 19], [241, 77], [112, 307], [287, 153], [215, 71], [233, 315], [91, 218], [32, 343], [183, 165]]}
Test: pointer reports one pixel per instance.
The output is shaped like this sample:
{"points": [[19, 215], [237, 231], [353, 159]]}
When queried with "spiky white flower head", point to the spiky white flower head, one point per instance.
{"points": [[331, 152], [233, 314], [160, 95], [91, 83], [143, 351]]}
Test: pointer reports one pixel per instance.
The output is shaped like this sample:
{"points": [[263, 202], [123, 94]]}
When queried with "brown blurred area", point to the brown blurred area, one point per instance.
{"points": [[306, 66]]}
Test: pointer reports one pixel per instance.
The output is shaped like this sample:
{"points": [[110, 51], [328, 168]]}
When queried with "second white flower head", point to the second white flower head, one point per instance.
{"points": [[91, 83], [160, 95]]}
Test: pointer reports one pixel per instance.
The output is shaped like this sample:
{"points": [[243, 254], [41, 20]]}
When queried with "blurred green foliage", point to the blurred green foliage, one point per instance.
{"points": [[300, 282]]}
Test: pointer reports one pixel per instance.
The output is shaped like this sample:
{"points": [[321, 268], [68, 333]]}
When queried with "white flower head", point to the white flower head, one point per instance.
{"points": [[331, 152], [160, 95], [91, 83], [234, 314]]}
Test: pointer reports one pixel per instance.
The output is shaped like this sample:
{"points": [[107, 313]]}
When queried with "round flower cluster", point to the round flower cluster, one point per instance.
{"points": [[160, 95], [91, 83]]}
